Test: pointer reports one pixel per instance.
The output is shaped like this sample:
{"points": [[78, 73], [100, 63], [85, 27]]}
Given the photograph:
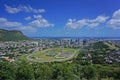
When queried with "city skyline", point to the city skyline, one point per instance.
{"points": [[62, 18]]}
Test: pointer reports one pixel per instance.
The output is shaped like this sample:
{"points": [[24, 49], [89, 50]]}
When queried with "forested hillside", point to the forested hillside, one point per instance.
{"points": [[11, 35]]}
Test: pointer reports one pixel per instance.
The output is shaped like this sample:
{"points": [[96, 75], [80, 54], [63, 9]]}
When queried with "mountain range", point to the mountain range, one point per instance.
{"points": [[12, 35]]}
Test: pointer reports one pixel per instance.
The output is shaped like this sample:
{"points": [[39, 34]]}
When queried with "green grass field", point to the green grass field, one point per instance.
{"points": [[111, 46], [53, 54]]}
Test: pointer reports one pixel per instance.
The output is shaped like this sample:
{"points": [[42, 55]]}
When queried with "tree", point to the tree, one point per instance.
{"points": [[42, 72], [64, 71], [116, 74], [25, 71], [90, 72], [57, 72], [7, 71]]}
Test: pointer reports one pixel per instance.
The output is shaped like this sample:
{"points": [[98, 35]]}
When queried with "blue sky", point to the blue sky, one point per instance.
{"points": [[62, 18]]}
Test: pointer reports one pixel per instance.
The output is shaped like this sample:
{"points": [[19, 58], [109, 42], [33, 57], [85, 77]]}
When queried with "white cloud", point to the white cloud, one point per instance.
{"points": [[28, 18], [72, 23], [40, 22], [114, 22], [28, 29], [5, 24], [116, 14], [37, 16], [92, 25], [22, 8], [37, 22], [3, 20], [100, 19], [75, 24], [11, 10]]}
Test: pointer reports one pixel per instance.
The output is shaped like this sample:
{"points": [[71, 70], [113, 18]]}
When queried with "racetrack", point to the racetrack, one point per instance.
{"points": [[53, 55]]}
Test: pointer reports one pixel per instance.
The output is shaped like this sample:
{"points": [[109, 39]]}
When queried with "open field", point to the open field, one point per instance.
{"points": [[53, 54], [111, 46]]}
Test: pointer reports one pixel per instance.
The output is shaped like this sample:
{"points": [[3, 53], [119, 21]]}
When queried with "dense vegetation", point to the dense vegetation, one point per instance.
{"points": [[57, 71], [76, 69], [11, 35]]}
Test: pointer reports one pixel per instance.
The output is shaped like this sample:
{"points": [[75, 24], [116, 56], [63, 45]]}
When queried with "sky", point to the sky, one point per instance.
{"points": [[61, 18]]}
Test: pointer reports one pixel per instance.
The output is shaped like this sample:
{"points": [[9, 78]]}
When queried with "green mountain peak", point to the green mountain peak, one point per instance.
{"points": [[12, 35]]}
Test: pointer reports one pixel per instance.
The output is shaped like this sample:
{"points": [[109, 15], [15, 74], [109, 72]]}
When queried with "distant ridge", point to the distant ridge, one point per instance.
{"points": [[12, 35], [104, 38]]}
